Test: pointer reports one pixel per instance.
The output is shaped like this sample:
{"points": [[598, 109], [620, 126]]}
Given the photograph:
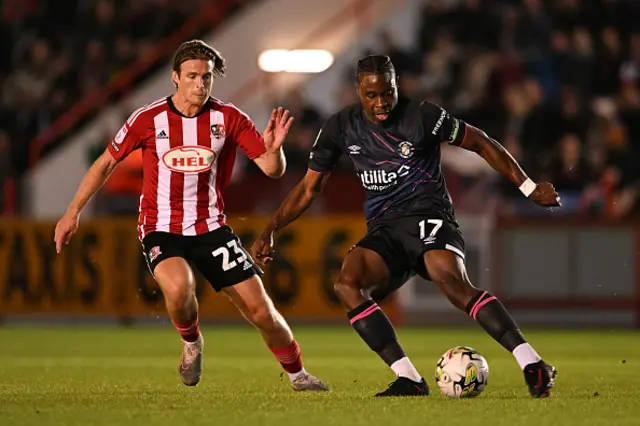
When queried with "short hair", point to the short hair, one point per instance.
{"points": [[374, 64], [198, 49]]}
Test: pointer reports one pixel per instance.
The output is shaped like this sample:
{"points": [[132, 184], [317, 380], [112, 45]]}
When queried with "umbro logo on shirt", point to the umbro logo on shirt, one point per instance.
{"points": [[162, 135], [354, 149]]}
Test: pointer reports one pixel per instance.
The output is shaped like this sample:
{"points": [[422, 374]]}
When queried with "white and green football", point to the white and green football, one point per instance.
{"points": [[462, 372]]}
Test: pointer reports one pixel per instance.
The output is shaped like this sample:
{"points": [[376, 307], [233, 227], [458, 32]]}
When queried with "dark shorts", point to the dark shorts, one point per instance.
{"points": [[402, 242], [218, 255]]}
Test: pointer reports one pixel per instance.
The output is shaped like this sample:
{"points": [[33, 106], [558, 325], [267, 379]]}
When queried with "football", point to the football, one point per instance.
{"points": [[462, 372]]}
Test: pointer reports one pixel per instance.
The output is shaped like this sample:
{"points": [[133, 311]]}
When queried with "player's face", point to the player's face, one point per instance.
{"points": [[379, 95], [195, 80]]}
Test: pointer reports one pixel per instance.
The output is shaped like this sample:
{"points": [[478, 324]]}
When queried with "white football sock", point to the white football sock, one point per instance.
{"points": [[404, 368], [525, 355], [293, 376]]}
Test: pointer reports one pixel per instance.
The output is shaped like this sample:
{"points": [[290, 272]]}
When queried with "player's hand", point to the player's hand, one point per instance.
{"points": [[277, 129], [66, 227], [545, 195], [262, 249]]}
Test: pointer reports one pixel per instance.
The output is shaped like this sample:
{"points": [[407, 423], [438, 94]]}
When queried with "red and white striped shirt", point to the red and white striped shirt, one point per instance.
{"points": [[187, 162]]}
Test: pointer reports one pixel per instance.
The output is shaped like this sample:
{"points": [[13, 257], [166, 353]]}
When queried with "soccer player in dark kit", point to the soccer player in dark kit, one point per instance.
{"points": [[394, 144]]}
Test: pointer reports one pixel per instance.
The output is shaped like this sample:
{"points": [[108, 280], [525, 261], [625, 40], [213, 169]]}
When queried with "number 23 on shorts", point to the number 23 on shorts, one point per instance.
{"points": [[223, 251], [424, 225]]}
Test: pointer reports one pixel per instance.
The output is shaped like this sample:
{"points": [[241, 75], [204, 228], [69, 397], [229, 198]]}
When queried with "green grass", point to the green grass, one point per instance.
{"points": [[128, 376]]}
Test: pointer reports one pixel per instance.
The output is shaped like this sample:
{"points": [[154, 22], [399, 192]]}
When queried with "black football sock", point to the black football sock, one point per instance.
{"points": [[376, 330], [496, 321]]}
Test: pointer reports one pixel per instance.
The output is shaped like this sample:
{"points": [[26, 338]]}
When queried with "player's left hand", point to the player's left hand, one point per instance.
{"points": [[545, 195], [277, 129]]}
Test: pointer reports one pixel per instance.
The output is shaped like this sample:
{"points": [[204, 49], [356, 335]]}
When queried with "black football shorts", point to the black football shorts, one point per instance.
{"points": [[402, 242], [218, 255]]}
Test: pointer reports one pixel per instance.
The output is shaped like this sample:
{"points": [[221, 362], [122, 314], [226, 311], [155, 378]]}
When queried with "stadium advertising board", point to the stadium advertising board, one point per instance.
{"points": [[102, 271]]}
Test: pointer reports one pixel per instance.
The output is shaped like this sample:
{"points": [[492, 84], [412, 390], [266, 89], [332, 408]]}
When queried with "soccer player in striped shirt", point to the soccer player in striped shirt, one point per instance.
{"points": [[188, 143]]}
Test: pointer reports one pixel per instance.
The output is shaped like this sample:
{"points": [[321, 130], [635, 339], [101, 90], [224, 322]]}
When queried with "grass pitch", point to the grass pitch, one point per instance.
{"points": [[128, 376]]}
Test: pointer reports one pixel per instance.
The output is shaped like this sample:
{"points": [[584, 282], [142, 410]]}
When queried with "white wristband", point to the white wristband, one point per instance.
{"points": [[527, 187]]}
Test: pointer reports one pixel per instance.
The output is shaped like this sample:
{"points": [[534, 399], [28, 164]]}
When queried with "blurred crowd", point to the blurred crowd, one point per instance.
{"points": [[54, 53], [556, 82]]}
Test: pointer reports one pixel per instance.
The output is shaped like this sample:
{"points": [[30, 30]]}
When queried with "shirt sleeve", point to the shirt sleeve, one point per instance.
{"points": [[127, 139], [326, 152], [248, 138], [442, 127]]}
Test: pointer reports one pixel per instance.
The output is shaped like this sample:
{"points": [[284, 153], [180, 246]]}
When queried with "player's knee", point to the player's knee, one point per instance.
{"points": [[179, 293], [262, 316], [346, 285]]}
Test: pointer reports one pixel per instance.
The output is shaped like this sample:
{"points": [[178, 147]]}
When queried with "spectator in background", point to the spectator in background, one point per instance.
{"points": [[614, 193], [570, 172], [609, 61], [535, 135], [476, 25], [440, 66], [304, 130], [582, 60], [630, 69], [532, 31], [570, 116]]}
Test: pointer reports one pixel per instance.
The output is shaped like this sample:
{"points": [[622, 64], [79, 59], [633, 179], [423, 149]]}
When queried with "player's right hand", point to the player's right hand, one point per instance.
{"points": [[545, 195], [262, 249], [66, 227]]}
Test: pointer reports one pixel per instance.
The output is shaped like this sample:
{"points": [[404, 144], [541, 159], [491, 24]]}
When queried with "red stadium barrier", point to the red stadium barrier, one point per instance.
{"points": [[211, 14]]}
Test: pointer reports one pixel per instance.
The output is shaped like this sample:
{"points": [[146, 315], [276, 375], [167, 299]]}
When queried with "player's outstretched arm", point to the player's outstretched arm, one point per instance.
{"points": [[96, 176], [499, 158], [273, 162], [298, 200]]}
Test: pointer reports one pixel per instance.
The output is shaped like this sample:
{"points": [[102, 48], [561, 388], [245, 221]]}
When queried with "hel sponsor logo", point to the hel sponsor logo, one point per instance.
{"points": [[379, 180], [192, 159]]}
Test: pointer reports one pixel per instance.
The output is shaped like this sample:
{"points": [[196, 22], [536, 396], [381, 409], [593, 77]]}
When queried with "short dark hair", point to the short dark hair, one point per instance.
{"points": [[374, 64], [198, 49]]}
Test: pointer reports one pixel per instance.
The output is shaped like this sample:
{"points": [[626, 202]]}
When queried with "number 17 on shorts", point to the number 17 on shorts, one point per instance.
{"points": [[438, 234], [428, 229]]}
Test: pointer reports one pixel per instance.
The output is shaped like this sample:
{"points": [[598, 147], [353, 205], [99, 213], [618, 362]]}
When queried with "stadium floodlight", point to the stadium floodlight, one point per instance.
{"points": [[295, 61]]}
